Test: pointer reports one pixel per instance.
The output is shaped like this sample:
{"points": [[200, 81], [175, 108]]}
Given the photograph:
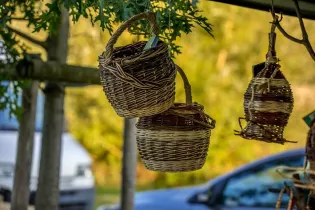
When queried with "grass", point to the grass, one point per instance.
{"points": [[110, 195], [103, 196], [106, 196]]}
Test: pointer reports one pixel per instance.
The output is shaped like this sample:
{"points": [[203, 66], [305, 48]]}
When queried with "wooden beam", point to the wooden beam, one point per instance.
{"points": [[51, 71], [284, 6]]}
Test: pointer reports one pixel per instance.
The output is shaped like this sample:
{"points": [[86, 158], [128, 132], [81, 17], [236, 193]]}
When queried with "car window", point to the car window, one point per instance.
{"points": [[8, 122], [250, 188]]}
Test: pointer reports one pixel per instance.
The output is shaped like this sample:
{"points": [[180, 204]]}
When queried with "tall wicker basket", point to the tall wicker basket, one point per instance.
{"points": [[176, 140], [268, 102], [137, 82]]}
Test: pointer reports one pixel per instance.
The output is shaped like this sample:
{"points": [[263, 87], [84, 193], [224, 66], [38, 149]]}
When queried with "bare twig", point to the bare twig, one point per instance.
{"points": [[21, 18], [305, 41], [27, 37], [299, 195]]}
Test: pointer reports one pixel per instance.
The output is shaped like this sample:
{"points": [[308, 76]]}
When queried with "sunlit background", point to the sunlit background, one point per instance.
{"points": [[219, 70]]}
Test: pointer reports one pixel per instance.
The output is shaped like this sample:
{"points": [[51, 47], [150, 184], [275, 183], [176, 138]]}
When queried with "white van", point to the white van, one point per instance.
{"points": [[76, 178]]}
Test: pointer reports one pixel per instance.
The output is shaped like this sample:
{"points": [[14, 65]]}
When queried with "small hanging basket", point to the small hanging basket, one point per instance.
{"points": [[138, 82], [176, 140], [268, 102]]}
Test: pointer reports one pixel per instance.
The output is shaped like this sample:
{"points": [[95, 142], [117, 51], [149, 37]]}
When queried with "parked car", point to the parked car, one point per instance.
{"points": [[245, 188], [76, 178]]}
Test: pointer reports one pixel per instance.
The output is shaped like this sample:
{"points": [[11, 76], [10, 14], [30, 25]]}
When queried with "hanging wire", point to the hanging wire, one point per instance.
{"points": [[169, 24], [272, 7]]}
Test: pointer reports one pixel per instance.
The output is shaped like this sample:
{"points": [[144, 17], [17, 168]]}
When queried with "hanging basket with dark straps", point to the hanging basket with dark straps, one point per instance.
{"points": [[268, 101], [176, 140], [310, 145], [138, 82]]}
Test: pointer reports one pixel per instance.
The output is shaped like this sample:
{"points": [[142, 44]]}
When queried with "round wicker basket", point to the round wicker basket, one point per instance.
{"points": [[268, 102], [176, 140], [137, 82]]}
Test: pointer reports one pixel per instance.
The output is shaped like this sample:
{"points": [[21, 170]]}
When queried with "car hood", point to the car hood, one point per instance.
{"points": [[168, 197], [72, 153]]}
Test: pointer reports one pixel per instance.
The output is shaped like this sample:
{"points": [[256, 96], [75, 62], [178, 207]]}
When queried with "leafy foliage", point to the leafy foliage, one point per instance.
{"points": [[173, 18], [8, 57]]}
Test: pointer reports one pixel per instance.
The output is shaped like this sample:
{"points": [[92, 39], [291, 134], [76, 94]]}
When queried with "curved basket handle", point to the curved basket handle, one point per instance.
{"points": [[186, 85], [150, 16], [189, 102]]}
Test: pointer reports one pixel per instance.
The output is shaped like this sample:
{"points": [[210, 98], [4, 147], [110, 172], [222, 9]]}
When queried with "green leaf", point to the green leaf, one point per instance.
{"points": [[152, 42], [101, 3], [308, 119]]}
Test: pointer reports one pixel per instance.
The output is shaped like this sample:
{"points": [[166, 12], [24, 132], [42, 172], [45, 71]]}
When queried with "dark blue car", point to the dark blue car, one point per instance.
{"points": [[245, 188]]}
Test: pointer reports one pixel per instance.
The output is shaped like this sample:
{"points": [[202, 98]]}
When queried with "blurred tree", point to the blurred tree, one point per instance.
{"points": [[219, 72], [53, 17]]}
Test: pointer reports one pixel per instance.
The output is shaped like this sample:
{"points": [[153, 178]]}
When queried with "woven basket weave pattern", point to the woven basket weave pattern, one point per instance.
{"points": [[138, 82], [267, 113], [171, 143], [129, 101]]}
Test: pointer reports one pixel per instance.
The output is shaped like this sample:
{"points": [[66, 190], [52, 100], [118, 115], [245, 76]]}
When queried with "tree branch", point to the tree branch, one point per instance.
{"points": [[277, 24], [27, 37], [21, 18], [305, 41], [52, 71]]}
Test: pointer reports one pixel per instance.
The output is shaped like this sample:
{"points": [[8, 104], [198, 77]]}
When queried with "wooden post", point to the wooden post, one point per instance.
{"points": [[47, 196], [129, 164], [24, 155]]}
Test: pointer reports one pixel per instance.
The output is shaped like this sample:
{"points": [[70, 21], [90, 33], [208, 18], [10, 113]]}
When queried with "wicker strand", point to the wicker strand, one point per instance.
{"points": [[187, 85], [278, 204], [178, 139], [279, 200], [278, 140], [106, 58], [122, 75], [150, 16], [297, 183], [261, 88], [192, 108]]}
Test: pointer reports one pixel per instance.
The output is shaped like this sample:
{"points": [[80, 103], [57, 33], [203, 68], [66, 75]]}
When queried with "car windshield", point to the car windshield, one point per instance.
{"points": [[8, 122]]}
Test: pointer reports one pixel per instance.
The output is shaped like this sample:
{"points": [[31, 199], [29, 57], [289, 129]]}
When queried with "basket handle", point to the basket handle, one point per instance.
{"points": [[186, 85], [150, 16]]}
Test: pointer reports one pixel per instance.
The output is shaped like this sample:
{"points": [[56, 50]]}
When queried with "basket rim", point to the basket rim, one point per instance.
{"points": [[159, 49], [186, 108]]}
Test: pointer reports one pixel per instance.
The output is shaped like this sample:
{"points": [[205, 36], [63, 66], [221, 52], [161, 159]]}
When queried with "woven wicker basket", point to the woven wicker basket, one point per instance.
{"points": [[138, 82], [268, 102], [176, 140]]}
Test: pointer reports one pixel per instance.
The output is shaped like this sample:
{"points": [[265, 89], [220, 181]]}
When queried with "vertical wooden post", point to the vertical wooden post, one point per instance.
{"points": [[47, 196], [24, 155], [129, 165], [312, 198]]}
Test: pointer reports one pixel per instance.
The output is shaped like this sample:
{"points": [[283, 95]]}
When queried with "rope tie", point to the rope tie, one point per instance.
{"points": [[261, 89]]}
